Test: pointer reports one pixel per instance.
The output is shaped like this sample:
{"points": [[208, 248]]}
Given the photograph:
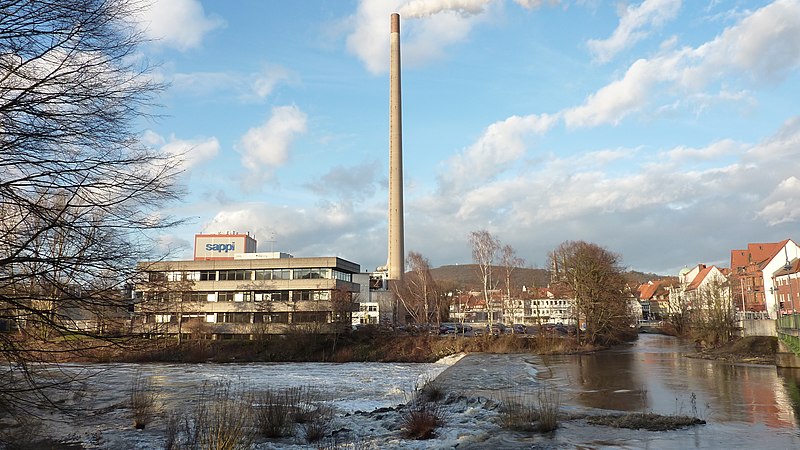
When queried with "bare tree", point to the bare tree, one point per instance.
{"points": [[593, 275], [418, 292], [510, 261], [713, 314], [78, 191], [484, 252]]}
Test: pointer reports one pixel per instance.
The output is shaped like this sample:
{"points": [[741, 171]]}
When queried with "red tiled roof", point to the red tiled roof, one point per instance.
{"points": [[756, 253], [699, 278]]}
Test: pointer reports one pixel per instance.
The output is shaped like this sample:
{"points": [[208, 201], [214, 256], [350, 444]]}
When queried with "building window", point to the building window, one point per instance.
{"points": [[299, 296], [314, 273], [156, 277], [235, 275], [281, 274], [208, 275], [225, 296], [271, 296], [310, 317], [271, 318], [195, 296], [234, 317], [342, 276]]}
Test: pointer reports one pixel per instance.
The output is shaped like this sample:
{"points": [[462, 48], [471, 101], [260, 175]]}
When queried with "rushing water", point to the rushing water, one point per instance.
{"points": [[745, 405]]}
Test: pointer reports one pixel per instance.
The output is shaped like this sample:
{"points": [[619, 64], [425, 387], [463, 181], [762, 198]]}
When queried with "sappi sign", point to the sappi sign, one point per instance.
{"points": [[221, 248]]}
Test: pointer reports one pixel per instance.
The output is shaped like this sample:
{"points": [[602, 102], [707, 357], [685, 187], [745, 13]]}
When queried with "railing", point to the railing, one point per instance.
{"points": [[789, 331], [789, 322]]}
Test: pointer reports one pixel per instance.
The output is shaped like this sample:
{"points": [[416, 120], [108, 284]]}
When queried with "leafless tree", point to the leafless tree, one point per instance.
{"points": [[510, 261], [484, 252], [713, 314], [79, 193], [418, 292], [593, 275]]}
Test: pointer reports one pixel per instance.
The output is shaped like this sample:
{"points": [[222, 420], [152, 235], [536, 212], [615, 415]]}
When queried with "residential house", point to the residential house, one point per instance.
{"points": [[786, 287], [752, 273], [654, 299]]}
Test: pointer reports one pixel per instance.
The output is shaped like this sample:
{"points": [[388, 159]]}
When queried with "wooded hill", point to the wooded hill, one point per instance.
{"points": [[467, 276]]}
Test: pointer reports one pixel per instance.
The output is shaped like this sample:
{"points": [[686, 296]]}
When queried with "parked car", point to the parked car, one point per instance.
{"points": [[520, 328], [497, 329], [448, 328]]}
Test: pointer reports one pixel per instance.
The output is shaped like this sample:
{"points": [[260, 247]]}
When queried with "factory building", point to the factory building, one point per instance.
{"points": [[231, 291]]}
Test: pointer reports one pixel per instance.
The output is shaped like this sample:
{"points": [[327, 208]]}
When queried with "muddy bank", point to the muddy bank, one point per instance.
{"points": [[748, 350]]}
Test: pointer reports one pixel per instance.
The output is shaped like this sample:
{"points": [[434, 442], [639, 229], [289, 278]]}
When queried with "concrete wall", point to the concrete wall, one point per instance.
{"points": [[754, 327]]}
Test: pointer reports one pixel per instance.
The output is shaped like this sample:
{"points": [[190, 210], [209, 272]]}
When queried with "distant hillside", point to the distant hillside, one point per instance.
{"points": [[638, 278], [467, 276]]}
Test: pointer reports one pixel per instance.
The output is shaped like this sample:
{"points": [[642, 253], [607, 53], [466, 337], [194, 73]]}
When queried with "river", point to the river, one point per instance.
{"points": [[745, 406]]}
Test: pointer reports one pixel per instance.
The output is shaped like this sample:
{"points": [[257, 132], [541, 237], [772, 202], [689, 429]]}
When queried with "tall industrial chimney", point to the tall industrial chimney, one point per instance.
{"points": [[396, 262]]}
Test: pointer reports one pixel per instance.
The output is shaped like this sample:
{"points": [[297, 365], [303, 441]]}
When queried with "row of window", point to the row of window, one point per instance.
{"points": [[239, 296], [238, 317], [251, 275]]}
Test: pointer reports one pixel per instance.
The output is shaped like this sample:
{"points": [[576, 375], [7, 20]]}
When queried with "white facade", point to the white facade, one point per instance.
{"points": [[789, 252]]}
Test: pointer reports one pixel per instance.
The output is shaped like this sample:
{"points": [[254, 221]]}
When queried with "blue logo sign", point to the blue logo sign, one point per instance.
{"points": [[221, 248]]}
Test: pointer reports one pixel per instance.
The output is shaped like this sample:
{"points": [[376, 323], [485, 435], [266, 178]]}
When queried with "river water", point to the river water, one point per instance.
{"points": [[745, 406]]}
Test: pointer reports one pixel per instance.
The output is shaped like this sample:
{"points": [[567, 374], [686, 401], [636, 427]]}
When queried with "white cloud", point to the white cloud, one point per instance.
{"points": [[326, 229], [611, 103], [244, 86], [181, 24], [765, 45], [501, 145], [266, 81], [267, 146], [633, 27], [716, 150], [783, 203], [190, 152], [350, 183]]}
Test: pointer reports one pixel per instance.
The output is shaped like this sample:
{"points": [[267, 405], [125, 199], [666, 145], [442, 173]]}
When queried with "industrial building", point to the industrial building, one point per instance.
{"points": [[229, 290]]}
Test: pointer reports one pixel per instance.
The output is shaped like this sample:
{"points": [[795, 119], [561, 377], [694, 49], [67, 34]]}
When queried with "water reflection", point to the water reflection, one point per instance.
{"points": [[655, 375]]}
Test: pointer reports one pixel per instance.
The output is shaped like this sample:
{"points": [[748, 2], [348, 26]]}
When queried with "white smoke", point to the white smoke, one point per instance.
{"points": [[424, 8]]}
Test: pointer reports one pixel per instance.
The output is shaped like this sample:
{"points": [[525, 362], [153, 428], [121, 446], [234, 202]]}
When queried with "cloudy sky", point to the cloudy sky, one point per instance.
{"points": [[667, 131]]}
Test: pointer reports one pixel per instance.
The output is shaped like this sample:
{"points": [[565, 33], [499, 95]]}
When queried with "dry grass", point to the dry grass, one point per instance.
{"points": [[420, 420], [143, 400], [549, 408], [222, 420], [277, 411], [520, 414], [516, 413]]}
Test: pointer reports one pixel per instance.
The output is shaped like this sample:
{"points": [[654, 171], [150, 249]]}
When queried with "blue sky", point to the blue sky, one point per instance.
{"points": [[667, 131]]}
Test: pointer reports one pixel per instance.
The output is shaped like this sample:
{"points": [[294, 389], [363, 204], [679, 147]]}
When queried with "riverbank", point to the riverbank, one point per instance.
{"points": [[747, 350], [360, 346]]}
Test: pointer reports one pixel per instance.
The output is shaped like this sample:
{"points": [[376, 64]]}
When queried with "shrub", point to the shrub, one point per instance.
{"points": [[143, 400], [516, 413], [430, 391], [277, 411], [221, 421], [316, 427], [420, 419], [549, 408]]}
